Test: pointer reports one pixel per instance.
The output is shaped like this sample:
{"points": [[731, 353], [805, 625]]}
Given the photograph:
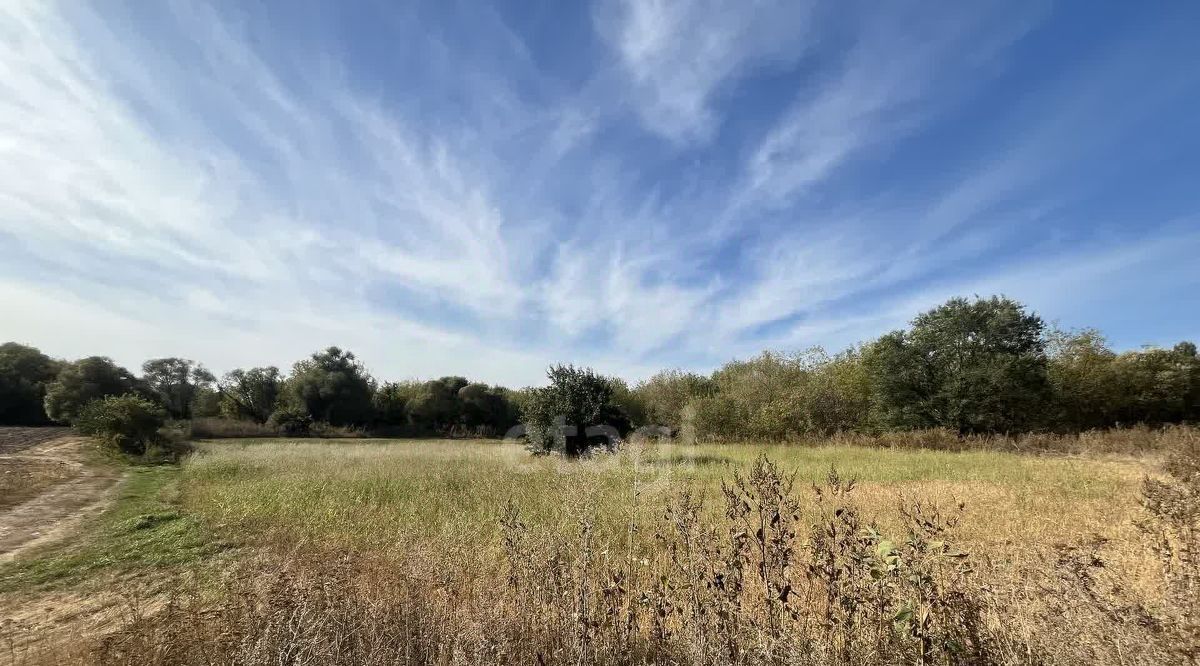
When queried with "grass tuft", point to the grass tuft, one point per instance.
{"points": [[142, 531]]}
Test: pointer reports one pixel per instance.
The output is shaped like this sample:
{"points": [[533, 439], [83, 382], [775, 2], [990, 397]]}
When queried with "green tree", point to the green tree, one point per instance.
{"points": [[24, 374], [487, 407], [128, 423], [836, 395], [667, 393], [435, 405], [573, 414], [86, 380], [334, 387], [251, 394], [206, 402], [1163, 385], [1089, 388], [973, 366], [631, 402], [176, 382], [391, 404]]}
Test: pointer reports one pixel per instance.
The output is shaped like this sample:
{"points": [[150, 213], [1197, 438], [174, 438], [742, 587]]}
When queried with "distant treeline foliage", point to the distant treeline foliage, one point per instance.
{"points": [[971, 366]]}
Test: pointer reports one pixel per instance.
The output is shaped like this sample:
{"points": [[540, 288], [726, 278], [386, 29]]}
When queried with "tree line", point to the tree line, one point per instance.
{"points": [[986, 365], [331, 386]]}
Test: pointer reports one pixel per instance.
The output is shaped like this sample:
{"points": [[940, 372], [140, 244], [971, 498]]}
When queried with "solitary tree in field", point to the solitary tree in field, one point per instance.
{"points": [[24, 375], [973, 366], [573, 413]]}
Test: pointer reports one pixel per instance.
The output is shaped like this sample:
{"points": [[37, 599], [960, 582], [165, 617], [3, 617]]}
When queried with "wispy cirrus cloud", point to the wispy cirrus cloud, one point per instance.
{"points": [[679, 55], [463, 192]]}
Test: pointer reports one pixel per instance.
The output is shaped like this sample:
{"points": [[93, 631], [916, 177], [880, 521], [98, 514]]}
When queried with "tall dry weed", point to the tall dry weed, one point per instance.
{"points": [[765, 573]]}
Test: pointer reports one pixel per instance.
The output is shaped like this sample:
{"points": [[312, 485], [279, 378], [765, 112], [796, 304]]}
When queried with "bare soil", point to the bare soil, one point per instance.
{"points": [[13, 440], [48, 486], [23, 478], [55, 487]]}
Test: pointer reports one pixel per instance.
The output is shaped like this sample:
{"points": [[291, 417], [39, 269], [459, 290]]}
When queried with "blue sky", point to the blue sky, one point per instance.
{"points": [[479, 189]]}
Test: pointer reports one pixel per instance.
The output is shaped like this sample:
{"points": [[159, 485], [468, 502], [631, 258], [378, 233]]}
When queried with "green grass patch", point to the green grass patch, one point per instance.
{"points": [[381, 495], [399, 495], [144, 529]]}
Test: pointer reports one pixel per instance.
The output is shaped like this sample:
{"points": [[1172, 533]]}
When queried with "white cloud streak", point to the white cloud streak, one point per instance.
{"points": [[189, 195], [680, 54]]}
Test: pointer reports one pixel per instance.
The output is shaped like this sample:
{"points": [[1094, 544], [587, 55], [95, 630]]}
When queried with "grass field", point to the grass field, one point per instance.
{"points": [[478, 549], [379, 494]]}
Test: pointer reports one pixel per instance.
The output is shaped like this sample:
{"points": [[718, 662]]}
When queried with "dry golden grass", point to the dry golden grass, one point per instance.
{"points": [[454, 552], [22, 479], [381, 494]]}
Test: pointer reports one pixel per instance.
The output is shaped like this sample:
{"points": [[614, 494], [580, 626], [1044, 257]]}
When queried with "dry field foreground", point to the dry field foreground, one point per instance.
{"points": [[386, 551]]}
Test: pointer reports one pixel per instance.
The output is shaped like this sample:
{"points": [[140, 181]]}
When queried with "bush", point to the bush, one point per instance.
{"points": [[24, 374], [574, 413], [665, 395], [127, 423], [218, 428], [86, 380], [391, 404], [333, 386], [293, 421]]}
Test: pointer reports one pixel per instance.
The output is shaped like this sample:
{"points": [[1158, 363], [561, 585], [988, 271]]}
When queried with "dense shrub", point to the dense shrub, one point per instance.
{"points": [[982, 367], [1086, 382], [574, 413], [176, 382], [777, 396], [217, 428], [127, 423], [334, 387], [665, 395], [1094, 387], [290, 420], [630, 401], [24, 374], [83, 381], [435, 405], [487, 408], [391, 404]]}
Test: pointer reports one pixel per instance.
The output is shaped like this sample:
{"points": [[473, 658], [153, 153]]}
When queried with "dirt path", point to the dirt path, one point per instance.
{"points": [[84, 491], [40, 626], [14, 439]]}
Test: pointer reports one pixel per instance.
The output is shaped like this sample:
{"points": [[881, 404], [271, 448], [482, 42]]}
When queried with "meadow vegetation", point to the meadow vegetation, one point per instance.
{"points": [[471, 551], [974, 489], [144, 534], [976, 367]]}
